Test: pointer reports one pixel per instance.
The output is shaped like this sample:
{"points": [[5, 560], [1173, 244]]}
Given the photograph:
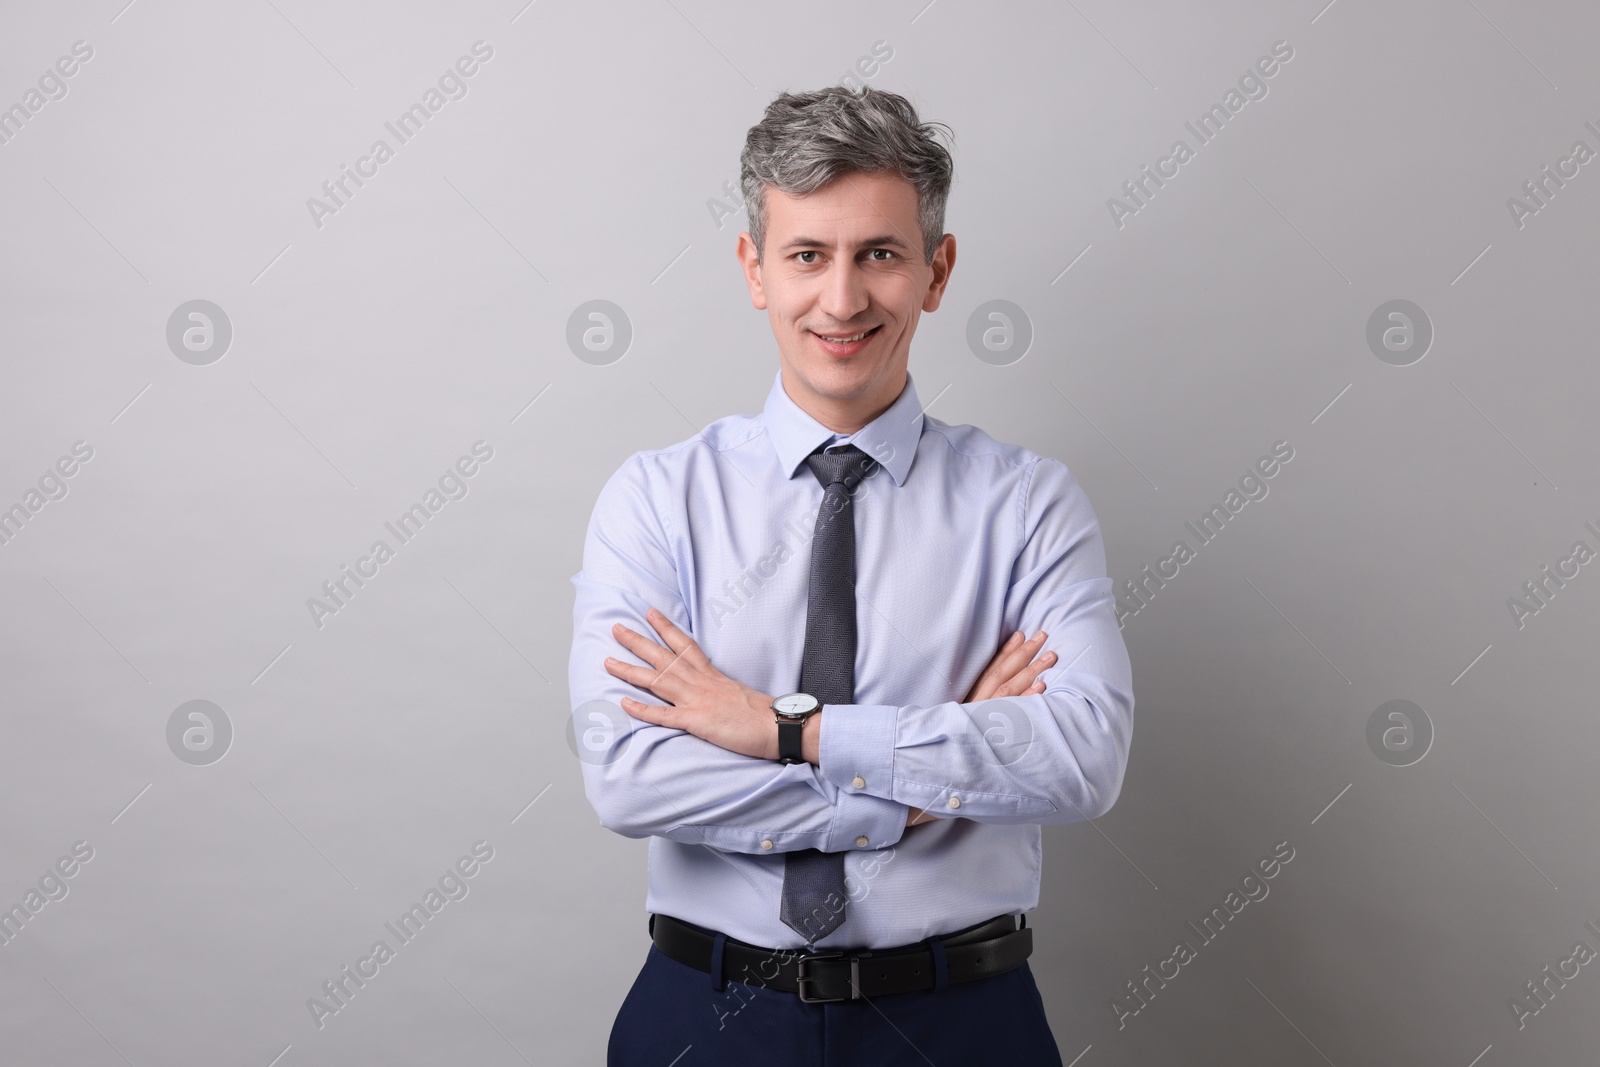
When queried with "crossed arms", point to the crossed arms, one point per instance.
{"points": [[694, 762]]}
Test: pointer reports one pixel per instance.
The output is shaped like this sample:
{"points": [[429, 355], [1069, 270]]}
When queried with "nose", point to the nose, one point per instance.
{"points": [[844, 293]]}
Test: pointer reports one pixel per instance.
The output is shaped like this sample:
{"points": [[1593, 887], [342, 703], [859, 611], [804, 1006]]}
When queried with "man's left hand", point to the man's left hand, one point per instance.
{"points": [[704, 701]]}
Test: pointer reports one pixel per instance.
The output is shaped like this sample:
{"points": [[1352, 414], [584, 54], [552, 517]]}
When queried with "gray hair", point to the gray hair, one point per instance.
{"points": [[806, 140]]}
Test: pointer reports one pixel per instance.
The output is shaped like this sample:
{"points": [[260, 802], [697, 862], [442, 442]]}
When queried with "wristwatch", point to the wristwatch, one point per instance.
{"points": [[792, 712]]}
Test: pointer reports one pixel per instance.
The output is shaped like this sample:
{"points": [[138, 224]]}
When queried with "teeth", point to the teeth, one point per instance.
{"points": [[845, 340]]}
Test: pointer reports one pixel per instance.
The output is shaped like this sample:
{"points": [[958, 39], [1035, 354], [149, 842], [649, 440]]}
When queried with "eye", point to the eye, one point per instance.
{"points": [[807, 252], [886, 252]]}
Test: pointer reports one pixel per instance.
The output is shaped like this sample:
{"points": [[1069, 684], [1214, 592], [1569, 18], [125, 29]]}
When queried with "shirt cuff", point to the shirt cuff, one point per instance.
{"points": [[863, 822], [856, 749]]}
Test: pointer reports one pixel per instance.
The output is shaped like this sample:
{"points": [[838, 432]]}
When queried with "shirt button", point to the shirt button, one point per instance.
{"points": [[861, 842], [858, 781], [767, 844], [955, 802]]}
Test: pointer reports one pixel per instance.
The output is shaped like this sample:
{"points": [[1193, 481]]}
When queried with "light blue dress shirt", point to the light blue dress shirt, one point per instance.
{"points": [[960, 540]]}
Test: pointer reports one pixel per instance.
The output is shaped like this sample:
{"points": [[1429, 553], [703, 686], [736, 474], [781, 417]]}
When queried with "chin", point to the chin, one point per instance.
{"points": [[840, 379]]}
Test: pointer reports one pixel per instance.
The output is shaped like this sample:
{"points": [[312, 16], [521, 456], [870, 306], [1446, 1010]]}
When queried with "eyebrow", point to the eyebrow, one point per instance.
{"points": [[882, 240]]}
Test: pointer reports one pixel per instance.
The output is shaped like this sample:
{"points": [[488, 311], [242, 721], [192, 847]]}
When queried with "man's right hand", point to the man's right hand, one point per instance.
{"points": [[1014, 671]]}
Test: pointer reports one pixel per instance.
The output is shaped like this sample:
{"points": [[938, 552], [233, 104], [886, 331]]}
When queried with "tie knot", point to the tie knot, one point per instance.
{"points": [[849, 465]]}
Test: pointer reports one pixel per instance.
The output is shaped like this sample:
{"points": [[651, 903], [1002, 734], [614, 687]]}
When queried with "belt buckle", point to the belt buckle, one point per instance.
{"points": [[801, 977]]}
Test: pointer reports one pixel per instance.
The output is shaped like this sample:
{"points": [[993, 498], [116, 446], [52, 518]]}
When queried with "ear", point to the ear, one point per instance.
{"points": [[944, 261], [750, 262]]}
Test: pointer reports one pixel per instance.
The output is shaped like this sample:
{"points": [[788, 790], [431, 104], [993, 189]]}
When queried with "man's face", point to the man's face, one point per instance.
{"points": [[843, 261]]}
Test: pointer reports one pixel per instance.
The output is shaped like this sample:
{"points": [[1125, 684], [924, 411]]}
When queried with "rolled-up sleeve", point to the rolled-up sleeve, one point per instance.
{"points": [[648, 780], [1052, 757]]}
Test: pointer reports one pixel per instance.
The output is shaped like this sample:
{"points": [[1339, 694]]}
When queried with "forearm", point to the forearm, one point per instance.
{"points": [[671, 784], [1054, 757], [811, 749], [644, 779]]}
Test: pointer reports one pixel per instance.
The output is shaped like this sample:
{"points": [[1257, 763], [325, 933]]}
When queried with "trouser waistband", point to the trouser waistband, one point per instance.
{"points": [[992, 947]]}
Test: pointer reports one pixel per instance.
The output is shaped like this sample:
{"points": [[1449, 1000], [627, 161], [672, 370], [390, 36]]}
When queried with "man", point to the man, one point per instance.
{"points": [[781, 666]]}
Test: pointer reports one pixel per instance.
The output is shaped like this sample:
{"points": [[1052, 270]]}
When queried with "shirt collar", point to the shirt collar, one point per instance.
{"points": [[891, 438]]}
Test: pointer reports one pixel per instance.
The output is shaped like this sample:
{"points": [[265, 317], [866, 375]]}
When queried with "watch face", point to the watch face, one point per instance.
{"points": [[795, 704]]}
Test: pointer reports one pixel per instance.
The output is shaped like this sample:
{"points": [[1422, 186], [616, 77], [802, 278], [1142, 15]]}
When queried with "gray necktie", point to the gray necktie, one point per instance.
{"points": [[827, 672]]}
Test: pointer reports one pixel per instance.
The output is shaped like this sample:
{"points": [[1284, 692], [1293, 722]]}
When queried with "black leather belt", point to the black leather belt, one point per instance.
{"points": [[981, 951]]}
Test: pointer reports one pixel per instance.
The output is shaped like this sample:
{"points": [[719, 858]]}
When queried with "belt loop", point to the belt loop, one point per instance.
{"points": [[716, 961], [1024, 917], [941, 969]]}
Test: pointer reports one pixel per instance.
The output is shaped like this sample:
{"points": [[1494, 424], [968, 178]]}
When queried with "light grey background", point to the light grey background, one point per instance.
{"points": [[431, 312]]}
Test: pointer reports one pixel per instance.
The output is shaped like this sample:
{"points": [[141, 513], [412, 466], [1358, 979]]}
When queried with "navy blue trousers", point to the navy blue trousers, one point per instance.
{"points": [[674, 1010]]}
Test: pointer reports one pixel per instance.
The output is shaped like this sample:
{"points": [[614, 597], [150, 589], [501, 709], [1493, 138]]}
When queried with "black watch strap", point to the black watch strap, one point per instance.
{"points": [[789, 750]]}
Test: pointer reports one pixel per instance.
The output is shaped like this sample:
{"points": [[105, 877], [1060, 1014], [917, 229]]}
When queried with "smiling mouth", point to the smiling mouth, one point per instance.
{"points": [[849, 338]]}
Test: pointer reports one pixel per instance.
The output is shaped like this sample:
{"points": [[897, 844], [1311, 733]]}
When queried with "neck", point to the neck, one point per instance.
{"points": [[843, 416]]}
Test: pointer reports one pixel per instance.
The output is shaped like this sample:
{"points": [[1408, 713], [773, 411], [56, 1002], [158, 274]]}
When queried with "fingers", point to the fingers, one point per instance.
{"points": [[681, 651], [1001, 677], [993, 673], [643, 647], [1027, 680], [662, 684], [680, 643], [666, 676], [652, 713], [1019, 655]]}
